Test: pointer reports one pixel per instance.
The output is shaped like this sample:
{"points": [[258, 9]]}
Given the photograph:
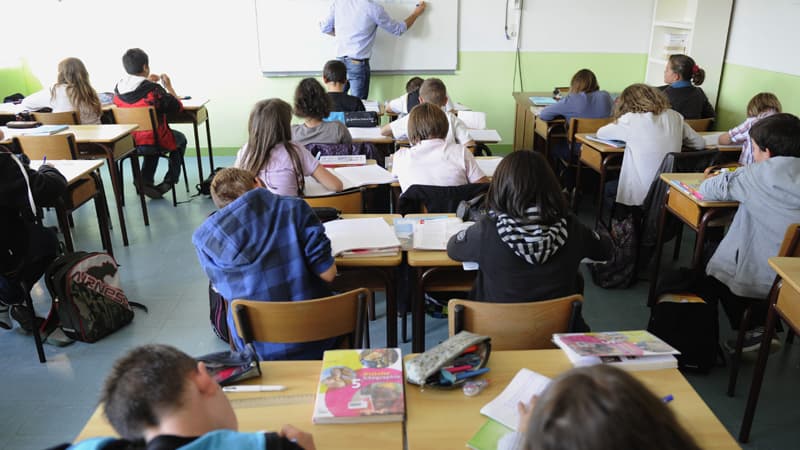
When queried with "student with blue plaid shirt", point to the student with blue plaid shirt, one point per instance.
{"points": [[263, 246]]}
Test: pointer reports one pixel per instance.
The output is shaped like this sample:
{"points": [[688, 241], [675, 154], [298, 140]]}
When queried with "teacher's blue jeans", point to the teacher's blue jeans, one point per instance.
{"points": [[358, 73]]}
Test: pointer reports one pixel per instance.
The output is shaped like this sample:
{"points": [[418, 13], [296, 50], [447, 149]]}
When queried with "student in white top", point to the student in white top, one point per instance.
{"points": [[650, 129], [432, 160], [432, 91], [403, 104], [71, 92]]}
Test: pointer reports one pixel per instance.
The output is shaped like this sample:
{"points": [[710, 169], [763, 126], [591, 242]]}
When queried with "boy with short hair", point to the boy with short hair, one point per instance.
{"points": [[402, 105], [768, 193], [161, 396], [140, 89], [432, 91], [334, 75], [263, 246]]}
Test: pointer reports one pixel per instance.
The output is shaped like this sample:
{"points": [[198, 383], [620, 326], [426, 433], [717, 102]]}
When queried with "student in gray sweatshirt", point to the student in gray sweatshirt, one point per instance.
{"points": [[768, 193]]}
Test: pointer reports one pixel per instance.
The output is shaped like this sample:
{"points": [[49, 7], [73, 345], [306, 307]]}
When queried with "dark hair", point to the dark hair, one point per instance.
{"points": [[311, 100], [413, 84], [584, 80], [778, 133], [144, 384], [334, 72], [270, 125], [427, 121], [613, 410], [229, 184], [433, 91], [524, 179], [763, 101], [134, 61], [687, 69]]}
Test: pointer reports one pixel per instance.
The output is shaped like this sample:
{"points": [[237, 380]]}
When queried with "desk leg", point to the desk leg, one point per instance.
{"points": [[197, 150], [63, 223], [418, 313], [651, 296], [391, 306], [577, 188], [101, 208], [210, 151], [116, 184]]}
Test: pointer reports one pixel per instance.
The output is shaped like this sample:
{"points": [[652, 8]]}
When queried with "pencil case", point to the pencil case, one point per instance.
{"points": [[451, 363], [361, 119], [231, 367]]}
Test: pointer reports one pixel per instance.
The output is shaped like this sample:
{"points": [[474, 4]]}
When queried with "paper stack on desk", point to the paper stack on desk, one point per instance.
{"points": [[352, 177], [361, 237]]}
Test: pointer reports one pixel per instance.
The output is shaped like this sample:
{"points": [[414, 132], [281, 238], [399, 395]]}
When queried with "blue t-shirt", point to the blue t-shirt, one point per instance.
{"points": [[592, 105]]}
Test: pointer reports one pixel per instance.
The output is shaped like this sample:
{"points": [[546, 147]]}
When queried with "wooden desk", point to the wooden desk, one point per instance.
{"points": [[76, 172], [698, 214], [601, 158], [112, 143], [425, 409], [370, 135], [428, 265], [195, 113], [525, 126], [361, 272], [270, 410], [785, 304]]}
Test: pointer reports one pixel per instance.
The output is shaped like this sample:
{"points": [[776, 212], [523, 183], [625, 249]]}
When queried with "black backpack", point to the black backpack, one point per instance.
{"points": [[88, 303], [620, 270], [218, 313], [204, 187], [685, 321]]}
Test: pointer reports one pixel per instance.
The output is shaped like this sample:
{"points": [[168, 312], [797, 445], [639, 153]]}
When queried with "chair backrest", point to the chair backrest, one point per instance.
{"points": [[791, 241], [304, 321], [586, 125], [55, 147], [437, 199], [699, 124], [349, 202], [144, 117], [515, 326], [59, 118]]}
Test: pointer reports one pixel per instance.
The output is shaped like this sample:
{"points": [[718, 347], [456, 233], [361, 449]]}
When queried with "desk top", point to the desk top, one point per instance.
{"points": [[372, 134], [98, 134], [270, 410], [72, 169], [191, 104], [429, 258], [599, 146], [788, 268], [694, 178], [425, 409]]}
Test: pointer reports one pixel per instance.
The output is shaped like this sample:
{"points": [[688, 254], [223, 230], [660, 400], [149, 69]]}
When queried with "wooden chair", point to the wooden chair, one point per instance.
{"points": [[516, 326], [63, 147], [700, 124], [59, 118], [305, 321], [789, 247], [583, 125], [348, 202], [145, 118]]}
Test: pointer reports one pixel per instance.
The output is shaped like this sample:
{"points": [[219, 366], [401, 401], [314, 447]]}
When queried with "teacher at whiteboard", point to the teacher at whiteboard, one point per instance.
{"points": [[354, 24]]}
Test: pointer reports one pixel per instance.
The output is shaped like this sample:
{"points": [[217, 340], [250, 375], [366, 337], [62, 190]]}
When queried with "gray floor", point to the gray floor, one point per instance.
{"points": [[42, 405]]}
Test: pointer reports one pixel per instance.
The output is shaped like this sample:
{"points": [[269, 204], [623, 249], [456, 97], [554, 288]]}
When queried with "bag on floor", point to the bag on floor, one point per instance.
{"points": [[88, 302], [218, 308], [204, 188], [620, 270], [683, 319]]}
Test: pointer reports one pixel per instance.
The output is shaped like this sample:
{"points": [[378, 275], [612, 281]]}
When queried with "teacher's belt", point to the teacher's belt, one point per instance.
{"points": [[357, 61]]}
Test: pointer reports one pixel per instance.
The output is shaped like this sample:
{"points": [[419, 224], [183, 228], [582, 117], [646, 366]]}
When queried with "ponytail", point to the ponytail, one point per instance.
{"points": [[687, 69]]}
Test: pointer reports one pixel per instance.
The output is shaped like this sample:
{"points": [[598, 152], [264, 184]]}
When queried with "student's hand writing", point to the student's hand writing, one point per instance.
{"points": [[302, 438], [525, 411]]}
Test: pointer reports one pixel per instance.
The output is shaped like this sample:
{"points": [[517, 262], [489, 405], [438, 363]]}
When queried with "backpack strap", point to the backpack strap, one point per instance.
{"points": [[138, 305]]}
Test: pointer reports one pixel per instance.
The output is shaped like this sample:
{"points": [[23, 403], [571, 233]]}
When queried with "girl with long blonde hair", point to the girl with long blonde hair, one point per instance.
{"points": [[72, 91]]}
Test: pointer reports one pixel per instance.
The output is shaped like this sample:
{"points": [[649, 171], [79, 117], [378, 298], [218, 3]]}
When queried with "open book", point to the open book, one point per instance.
{"points": [[484, 135], [358, 236], [523, 387], [488, 164], [373, 133], [343, 160], [610, 142], [44, 130], [351, 177], [434, 234], [543, 101]]}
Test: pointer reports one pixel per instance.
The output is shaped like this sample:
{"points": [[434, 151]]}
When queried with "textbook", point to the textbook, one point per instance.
{"points": [[360, 236], [525, 384], [352, 177], [543, 101], [692, 189], [610, 142], [434, 234], [614, 343], [343, 160], [360, 386], [631, 363]]}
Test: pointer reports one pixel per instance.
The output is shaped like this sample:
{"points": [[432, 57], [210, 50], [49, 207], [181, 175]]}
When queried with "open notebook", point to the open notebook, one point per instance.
{"points": [[351, 177], [358, 235]]}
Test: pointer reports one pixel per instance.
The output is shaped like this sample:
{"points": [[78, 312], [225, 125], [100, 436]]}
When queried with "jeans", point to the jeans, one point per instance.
{"points": [[358, 74], [151, 154]]}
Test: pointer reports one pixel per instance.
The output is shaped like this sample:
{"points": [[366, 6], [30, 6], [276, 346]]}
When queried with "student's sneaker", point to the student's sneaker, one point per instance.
{"points": [[752, 341], [164, 187], [5, 317], [149, 189]]}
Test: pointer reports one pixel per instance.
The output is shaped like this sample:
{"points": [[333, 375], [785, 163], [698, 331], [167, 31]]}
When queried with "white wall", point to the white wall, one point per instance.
{"points": [[764, 35]]}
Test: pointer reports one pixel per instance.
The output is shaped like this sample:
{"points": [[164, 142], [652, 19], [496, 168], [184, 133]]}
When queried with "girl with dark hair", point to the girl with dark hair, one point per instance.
{"points": [[280, 163], [530, 246], [312, 104], [597, 407], [683, 76], [71, 92]]}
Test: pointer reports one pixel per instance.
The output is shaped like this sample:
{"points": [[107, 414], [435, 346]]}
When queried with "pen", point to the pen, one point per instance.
{"points": [[254, 388], [44, 160], [319, 155], [668, 398]]}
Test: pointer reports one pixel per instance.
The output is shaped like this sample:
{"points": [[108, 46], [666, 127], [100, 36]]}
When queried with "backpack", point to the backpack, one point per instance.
{"points": [[684, 320], [218, 313], [472, 210], [620, 270], [88, 303], [204, 187]]}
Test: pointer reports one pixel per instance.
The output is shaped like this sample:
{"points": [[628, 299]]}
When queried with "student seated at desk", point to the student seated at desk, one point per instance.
{"points": [[72, 91], [597, 407], [312, 104], [768, 193], [683, 76], [432, 160], [262, 246], [158, 397], [432, 91], [762, 105], [585, 99], [334, 75], [406, 102], [140, 89], [530, 247], [650, 129], [281, 164]]}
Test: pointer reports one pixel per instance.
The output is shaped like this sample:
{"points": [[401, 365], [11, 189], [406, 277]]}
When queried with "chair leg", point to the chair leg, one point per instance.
{"points": [[737, 354], [37, 337], [120, 171], [174, 197], [185, 178]]}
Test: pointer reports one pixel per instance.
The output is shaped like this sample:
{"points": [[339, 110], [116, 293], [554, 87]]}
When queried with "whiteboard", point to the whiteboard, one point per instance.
{"points": [[290, 41], [764, 37]]}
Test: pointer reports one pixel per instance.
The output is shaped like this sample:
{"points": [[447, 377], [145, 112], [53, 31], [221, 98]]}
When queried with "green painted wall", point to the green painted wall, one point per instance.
{"points": [[18, 79], [740, 83]]}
